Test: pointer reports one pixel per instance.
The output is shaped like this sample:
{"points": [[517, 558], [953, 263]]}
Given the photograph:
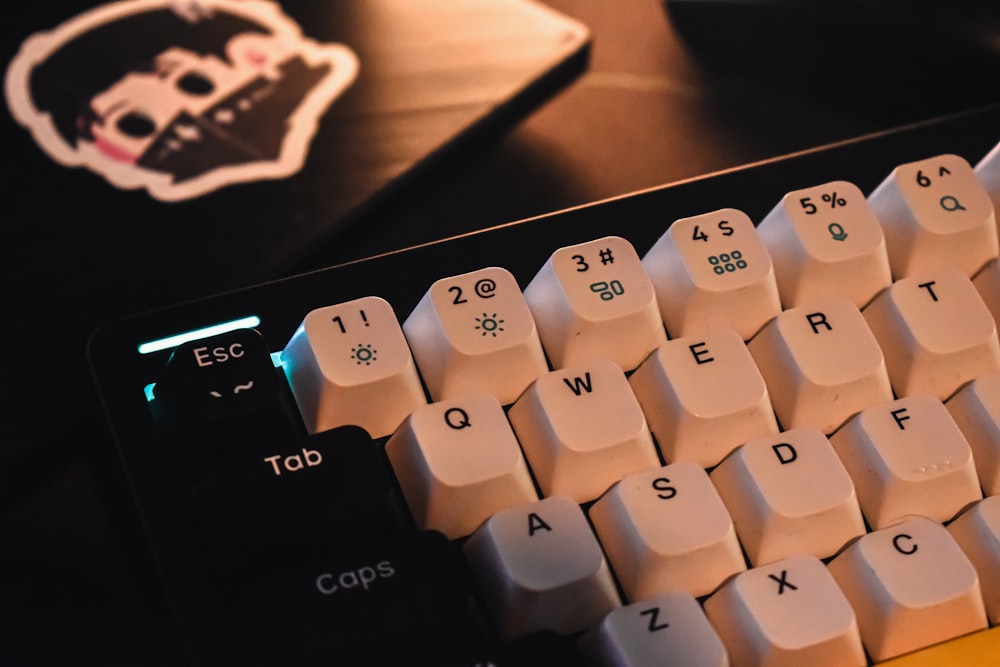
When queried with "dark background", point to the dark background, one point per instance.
{"points": [[667, 97]]}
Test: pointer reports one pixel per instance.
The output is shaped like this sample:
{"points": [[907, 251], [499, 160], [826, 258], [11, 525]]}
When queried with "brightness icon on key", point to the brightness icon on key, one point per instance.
{"points": [[364, 354], [489, 324]]}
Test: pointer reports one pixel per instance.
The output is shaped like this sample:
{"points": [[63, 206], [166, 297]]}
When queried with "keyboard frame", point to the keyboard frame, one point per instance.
{"points": [[121, 373]]}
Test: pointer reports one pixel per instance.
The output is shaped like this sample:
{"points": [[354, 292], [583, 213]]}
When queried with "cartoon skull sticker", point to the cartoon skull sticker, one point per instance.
{"points": [[178, 97]]}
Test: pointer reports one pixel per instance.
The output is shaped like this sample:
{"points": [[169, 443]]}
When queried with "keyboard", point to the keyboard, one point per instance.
{"points": [[749, 418]]}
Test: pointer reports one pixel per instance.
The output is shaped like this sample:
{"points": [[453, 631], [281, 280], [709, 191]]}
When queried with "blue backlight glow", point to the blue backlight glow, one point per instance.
{"points": [[150, 388], [178, 339]]}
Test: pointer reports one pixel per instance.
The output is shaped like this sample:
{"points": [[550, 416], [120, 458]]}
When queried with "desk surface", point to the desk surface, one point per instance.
{"points": [[646, 113]]}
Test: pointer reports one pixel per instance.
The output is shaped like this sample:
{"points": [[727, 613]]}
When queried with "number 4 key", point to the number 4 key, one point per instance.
{"points": [[713, 269]]}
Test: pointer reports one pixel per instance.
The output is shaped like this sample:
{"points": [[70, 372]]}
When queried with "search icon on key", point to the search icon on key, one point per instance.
{"points": [[950, 203]]}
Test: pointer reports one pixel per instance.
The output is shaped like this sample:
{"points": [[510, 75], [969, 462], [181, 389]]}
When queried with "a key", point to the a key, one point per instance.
{"points": [[825, 241], [789, 494], [977, 531], [787, 613], [260, 506], [539, 567], [703, 396], [908, 457], [350, 364], [935, 213], [713, 270], [666, 629], [582, 430], [458, 462], [667, 530], [594, 301], [910, 586], [976, 410], [474, 333], [935, 332], [821, 363]]}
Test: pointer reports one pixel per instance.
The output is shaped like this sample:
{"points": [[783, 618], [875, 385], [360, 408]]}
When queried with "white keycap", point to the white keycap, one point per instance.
{"points": [[935, 332], [595, 301], [976, 410], [350, 364], [977, 531], [908, 457], [935, 213], [703, 396], [668, 629], [987, 283], [789, 494], [787, 613], [825, 241], [582, 430], [713, 270], [539, 567], [667, 530], [910, 586], [988, 172], [821, 363], [458, 462], [474, 333]]}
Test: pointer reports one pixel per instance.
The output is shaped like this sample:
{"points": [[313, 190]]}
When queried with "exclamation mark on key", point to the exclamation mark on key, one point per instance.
{"points": [[364, 318]]}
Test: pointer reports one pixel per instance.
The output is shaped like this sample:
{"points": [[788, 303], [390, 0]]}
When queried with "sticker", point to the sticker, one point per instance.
{"points": [[180, 97]]}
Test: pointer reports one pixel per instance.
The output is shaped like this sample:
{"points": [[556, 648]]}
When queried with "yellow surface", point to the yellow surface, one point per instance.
{"points": [[979, 649]]}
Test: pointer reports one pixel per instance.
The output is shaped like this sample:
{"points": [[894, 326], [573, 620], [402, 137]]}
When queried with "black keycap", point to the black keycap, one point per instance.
{"points": [[403, 603], [542, 649], [221, 395], [272, 501], [222, 377]]}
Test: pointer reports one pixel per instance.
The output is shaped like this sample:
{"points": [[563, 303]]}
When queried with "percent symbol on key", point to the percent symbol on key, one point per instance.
{"points": [[833, 200]]}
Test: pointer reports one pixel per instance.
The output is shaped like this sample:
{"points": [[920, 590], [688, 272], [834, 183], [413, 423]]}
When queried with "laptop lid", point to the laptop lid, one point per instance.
{"points": [[160, 150]]}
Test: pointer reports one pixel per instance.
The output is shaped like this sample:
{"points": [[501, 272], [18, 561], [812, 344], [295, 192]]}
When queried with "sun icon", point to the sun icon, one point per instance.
{"points": [[489, 324], [363, 354]]}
